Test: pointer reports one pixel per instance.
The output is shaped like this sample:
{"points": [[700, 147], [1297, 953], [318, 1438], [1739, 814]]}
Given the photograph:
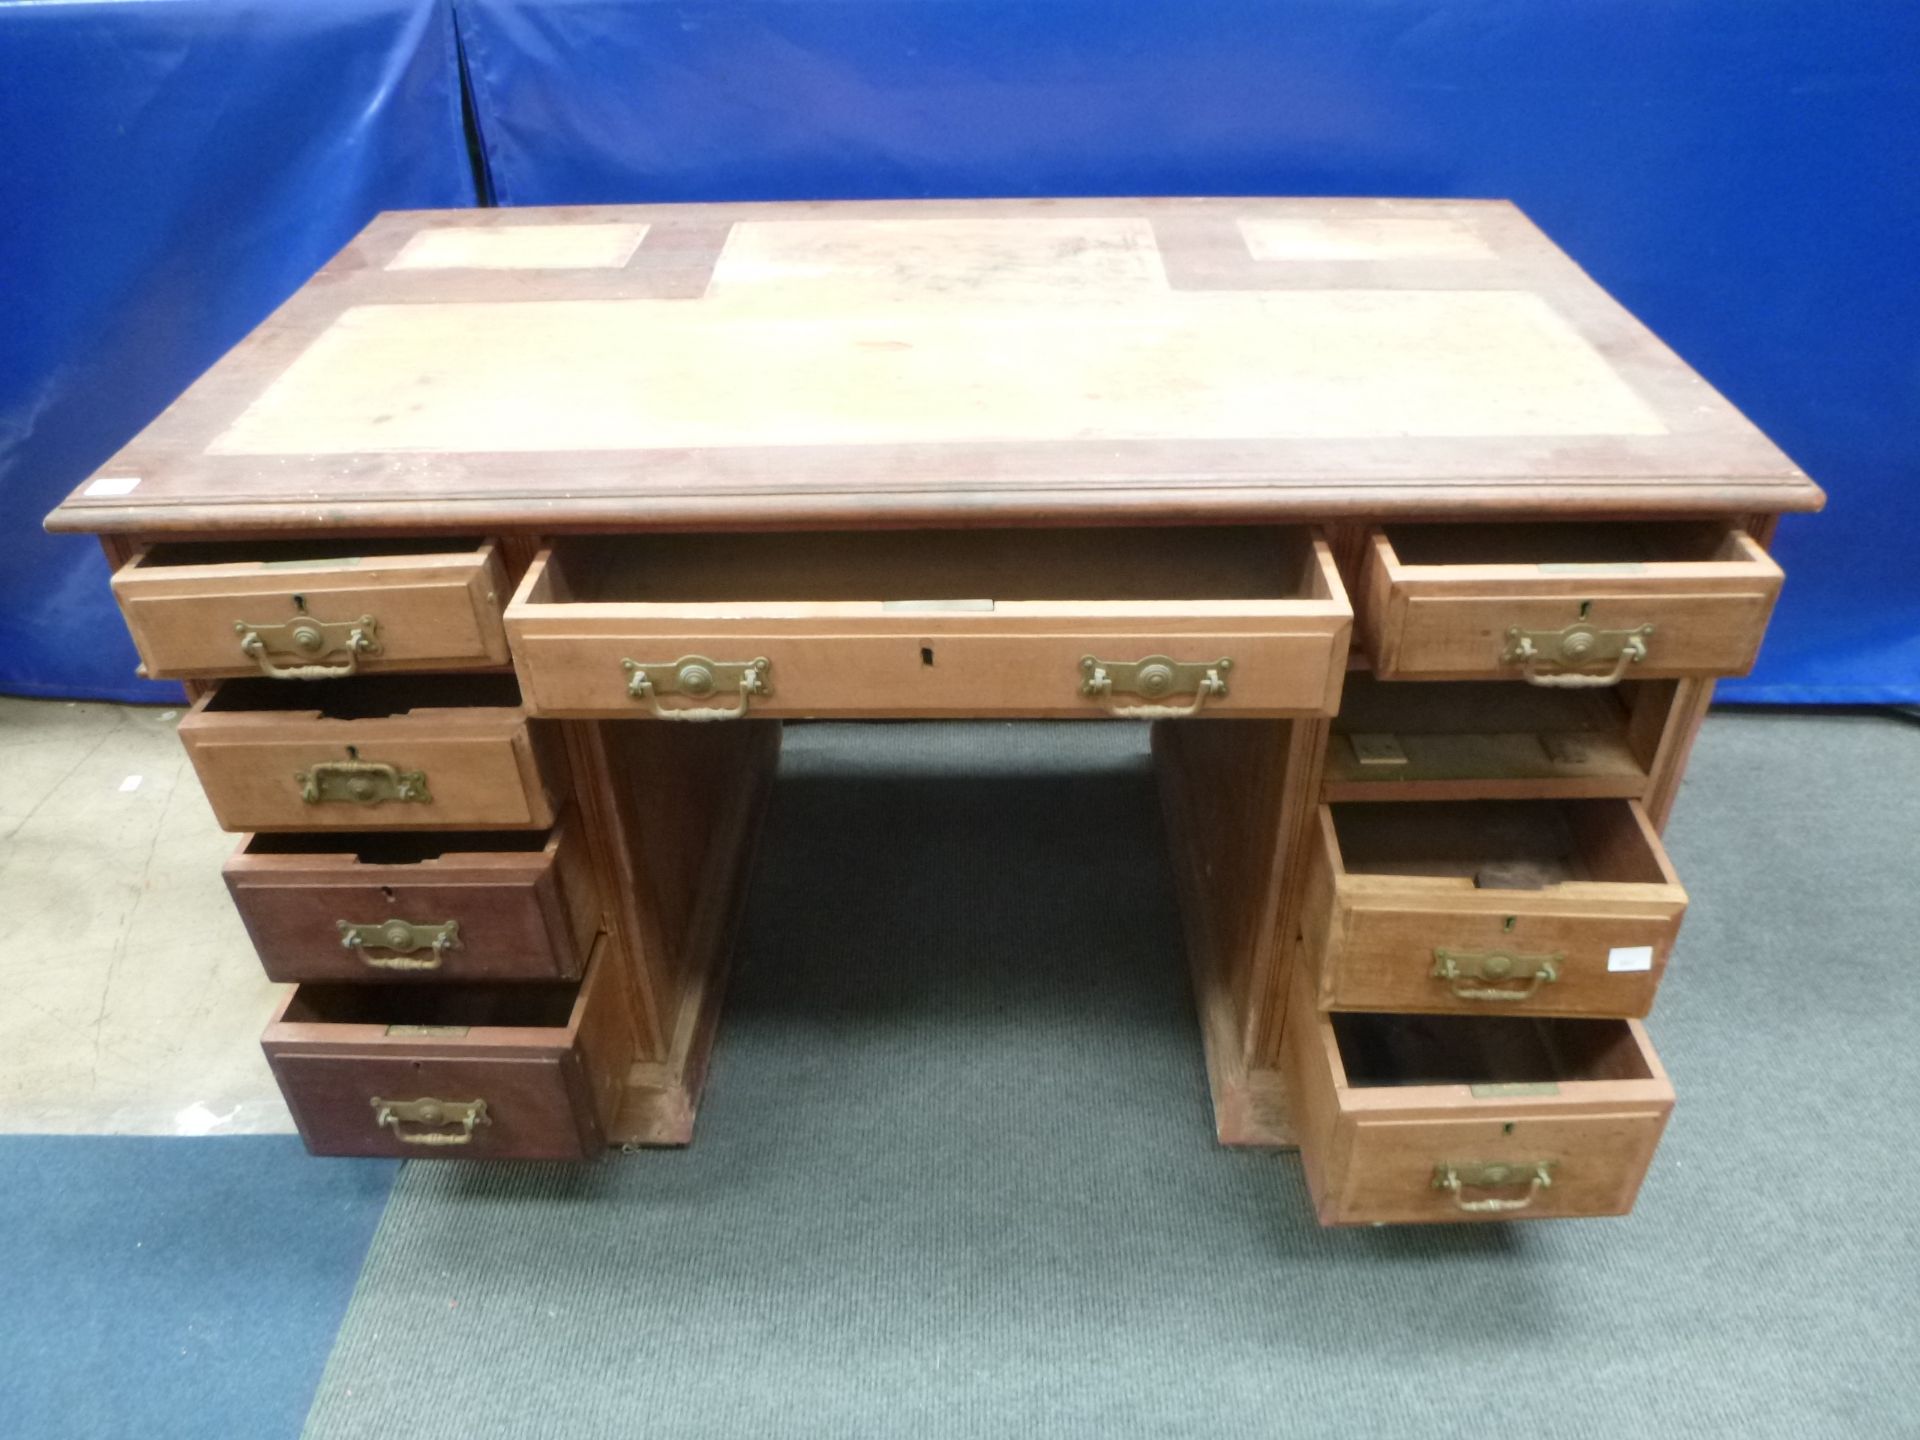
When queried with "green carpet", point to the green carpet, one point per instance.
{"points": [[954, 1174]]}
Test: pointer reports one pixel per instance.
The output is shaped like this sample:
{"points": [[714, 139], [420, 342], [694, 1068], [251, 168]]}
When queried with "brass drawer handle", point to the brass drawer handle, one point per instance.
{"points": [[1457, 1179], [698, 677], [309, 640], [405, 938], [362, 782], [1153, 677], [1459, 968], [1577, 645], [393, 1114]]}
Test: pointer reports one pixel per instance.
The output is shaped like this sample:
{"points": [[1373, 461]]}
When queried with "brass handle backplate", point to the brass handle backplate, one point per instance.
{"points": [[1151, 679], [307, 643], [1460, 968], [434, 1115], [696, 677], [1458, 1178], [1572, 651], [362, 782], [405, 938]]}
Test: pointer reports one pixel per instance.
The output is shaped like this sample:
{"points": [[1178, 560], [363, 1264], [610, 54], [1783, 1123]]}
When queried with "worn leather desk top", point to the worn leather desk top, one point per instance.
{"points": [[939, 362]]}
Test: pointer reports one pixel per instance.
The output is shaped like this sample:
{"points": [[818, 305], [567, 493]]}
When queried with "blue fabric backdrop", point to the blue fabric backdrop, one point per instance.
{"points": [[170, 170], [1738, 172]]}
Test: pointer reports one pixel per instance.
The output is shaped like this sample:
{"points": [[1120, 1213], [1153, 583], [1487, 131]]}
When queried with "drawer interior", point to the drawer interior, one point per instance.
{"points": [[1385, 1051], [1619, 543], [400, 848], [171, 553], [366, 697], [1501, 735], [516, 1006], [1498, 844], [933, 567]]}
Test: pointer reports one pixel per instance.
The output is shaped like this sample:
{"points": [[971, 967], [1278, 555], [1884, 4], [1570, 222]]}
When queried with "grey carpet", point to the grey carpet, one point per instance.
{"points": [[954, 1174]]}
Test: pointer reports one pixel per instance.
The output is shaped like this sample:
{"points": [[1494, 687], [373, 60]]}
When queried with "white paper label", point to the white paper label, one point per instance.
{"points": [[114, 485], [1630, 957]]}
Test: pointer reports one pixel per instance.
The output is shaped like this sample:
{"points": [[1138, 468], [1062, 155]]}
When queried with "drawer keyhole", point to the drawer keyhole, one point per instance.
{"points": [[926, 655]]}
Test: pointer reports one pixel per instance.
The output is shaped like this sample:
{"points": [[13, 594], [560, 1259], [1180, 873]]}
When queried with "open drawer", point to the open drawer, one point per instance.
{"points": [[418, 905], [1564, 604], [1482, 739], [1412, 1118], [494, 1072], [313, 609], [380, 752], [1133, 623], [1554, 907]]}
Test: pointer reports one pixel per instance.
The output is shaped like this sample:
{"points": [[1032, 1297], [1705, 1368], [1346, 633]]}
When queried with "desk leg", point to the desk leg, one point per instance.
{"points": [[1238, 796], [673, 813]]}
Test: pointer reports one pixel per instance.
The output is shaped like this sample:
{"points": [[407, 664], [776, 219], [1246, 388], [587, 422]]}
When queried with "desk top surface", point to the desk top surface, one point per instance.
{"points": [[939, 362]]}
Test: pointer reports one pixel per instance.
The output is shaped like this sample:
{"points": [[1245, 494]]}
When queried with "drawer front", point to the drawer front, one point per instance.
{"points": [[1404, 1150], [504, 1072], [1419, 944], [1490, 1167], [313, 618], [1074, 624], [1566, 961], [925, 670], [376, 1104], [458, 916], [1568, 625], [451, 769]]}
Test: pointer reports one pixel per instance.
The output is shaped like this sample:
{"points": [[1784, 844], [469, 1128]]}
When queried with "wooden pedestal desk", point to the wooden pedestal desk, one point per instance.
{"points": [[1418, 552]]}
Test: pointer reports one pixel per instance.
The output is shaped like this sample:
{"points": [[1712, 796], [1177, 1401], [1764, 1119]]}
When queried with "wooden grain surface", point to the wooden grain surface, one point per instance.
{"points": [[939, 362], [1370, 1150], [525, 903], [1373, 938]]}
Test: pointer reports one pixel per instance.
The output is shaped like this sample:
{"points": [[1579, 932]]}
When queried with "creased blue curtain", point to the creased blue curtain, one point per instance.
{"points": [[170, 170]]}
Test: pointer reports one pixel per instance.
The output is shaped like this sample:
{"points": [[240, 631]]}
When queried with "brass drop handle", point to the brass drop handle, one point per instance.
{"points": [[1153, 677], [433, 1114], [361, 782], [696, 676], [1460, 968], [310, 638], [1457, 1179], [405, 938], [1578, 644]]}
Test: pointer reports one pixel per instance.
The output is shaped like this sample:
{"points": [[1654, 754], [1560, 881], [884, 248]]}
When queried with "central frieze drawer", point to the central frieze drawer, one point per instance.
{"points": [[381, 752], [1129, 623]]}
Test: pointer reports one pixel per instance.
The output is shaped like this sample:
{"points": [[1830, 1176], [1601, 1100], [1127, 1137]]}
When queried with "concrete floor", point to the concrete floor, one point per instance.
{"points": [[130, 999]]}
